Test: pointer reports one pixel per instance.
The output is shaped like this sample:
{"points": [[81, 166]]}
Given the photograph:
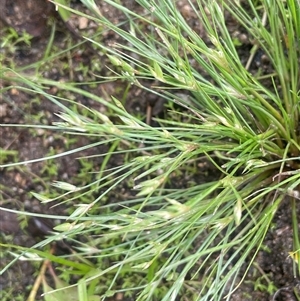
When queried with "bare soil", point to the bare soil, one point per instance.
{"points": [[273, 265]]}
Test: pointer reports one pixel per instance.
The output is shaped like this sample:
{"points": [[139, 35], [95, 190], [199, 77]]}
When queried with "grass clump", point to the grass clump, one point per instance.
{"points": [[194, 240]]}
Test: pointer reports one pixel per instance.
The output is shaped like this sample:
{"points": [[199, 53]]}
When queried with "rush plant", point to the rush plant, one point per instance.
{"points": [[197, 239]]}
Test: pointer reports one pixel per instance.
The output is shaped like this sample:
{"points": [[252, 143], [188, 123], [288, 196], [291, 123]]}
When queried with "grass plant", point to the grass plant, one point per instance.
{"points": [[200, 239]]}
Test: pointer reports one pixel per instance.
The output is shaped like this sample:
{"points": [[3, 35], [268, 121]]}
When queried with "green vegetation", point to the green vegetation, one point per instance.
{"points": [[200, 238]]}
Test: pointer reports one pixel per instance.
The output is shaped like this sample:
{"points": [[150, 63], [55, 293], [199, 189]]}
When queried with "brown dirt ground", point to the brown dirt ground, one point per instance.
{"points": [[17, 107]]}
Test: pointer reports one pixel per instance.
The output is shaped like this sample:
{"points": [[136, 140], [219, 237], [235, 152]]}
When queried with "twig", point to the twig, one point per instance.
{"points": [[39, 278]]}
